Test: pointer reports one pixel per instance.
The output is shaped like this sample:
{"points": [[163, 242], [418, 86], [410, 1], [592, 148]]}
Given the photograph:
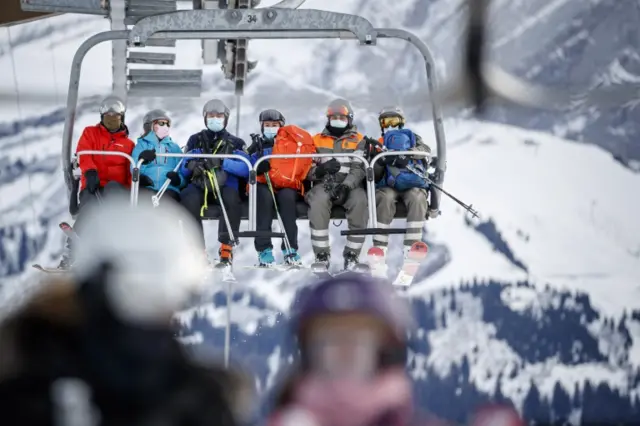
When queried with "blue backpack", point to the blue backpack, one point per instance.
{"points": [[402, 179]]}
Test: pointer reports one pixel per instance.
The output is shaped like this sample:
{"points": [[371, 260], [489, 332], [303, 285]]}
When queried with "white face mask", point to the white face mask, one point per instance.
{"points": [[215, 124], [338, 124], [270, 132], [161, 131], [390, 128]]}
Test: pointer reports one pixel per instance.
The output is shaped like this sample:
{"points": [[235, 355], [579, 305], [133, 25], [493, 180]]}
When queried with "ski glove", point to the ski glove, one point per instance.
{"points": [[340, 194], [145, 181], [330, 167], [256, 144], [92, 181], [174, 177], [147, 156], [263, 167], [399, 161], [196, 167], [371, 147]]}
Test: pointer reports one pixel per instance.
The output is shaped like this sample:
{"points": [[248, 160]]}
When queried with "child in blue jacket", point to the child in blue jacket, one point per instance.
{"points": [[154, 170]]}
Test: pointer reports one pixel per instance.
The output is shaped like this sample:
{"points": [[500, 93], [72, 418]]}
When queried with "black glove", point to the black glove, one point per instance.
{"points": [[399, 161], [174, 177], [256, 144], [92, 181], [340, 194], [145, 181], [263, 167], [332, 166], [196, 167], [147, 156], [371, 147]]}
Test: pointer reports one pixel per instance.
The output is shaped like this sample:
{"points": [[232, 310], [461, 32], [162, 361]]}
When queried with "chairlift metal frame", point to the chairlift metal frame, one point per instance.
{"points": [[269, 23]]}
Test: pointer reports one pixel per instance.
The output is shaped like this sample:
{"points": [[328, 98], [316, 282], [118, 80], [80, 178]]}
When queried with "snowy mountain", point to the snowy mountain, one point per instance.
{"points": [[536, 302]]}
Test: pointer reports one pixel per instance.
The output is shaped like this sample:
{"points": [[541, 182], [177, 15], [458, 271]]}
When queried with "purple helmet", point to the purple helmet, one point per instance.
{"points": [[354, 292]]}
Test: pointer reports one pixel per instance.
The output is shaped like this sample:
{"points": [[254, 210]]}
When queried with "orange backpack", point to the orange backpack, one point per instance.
{"points": [[290, 172]]}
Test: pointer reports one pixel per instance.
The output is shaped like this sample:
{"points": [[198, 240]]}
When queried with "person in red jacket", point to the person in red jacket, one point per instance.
{"points": [[104, 174]]}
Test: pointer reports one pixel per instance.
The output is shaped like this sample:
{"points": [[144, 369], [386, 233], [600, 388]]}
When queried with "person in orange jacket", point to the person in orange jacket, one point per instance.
{"points": [[102, 174]]}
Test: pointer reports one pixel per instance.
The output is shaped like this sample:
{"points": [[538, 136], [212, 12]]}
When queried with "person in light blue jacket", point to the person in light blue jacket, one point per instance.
{"points": [[154, 170]]}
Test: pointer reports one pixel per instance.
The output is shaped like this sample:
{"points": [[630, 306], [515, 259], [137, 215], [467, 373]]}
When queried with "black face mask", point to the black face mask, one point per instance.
{"points": [[112, 123]]}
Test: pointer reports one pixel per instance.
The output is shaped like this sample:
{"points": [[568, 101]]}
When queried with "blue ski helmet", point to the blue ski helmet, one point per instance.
{"points": [[351, 293]]}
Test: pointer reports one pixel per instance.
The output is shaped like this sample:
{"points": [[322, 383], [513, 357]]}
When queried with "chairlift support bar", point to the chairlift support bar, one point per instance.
{"points": [[268, 23]]}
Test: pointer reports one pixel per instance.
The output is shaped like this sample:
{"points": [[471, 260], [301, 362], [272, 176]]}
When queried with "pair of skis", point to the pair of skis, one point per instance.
{"points": [[69, 232]]}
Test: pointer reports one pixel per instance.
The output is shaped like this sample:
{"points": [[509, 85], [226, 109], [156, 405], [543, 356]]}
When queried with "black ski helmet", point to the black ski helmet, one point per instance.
{"points": [[340, 107], [271, 115], [350, 293]]}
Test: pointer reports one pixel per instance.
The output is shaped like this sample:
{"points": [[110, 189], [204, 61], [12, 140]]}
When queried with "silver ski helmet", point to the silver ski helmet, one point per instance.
{"points": [[216, 106], [391, 116], [340, 107], [110, 108], [356, 293], [154, 115]]}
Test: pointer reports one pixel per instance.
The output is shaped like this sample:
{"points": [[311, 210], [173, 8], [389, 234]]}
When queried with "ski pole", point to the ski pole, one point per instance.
{"points": [[467, 207], [99, 197], [287, 243], [155, 199], [223, 208]]}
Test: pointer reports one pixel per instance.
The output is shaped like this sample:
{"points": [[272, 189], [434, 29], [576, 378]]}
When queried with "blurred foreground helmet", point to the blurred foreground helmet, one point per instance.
{"points": [[147, 280]]}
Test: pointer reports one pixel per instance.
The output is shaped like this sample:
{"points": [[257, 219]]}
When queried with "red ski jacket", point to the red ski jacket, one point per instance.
{"points": [[109, 167]]}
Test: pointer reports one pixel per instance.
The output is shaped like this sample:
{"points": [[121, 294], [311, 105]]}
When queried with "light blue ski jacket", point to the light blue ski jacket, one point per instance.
{"points": [[157, 170]]}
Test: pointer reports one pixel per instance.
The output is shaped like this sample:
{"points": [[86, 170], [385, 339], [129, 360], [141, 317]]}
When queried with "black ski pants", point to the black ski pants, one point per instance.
{"points": [[192, 198], [286, 199], [88, 199]]}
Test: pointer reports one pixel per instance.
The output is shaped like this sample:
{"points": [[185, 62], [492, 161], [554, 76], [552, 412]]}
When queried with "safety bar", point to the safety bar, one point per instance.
{"points": [[249, 24], [136, 167], [187, 155], [371, 185], [253, 189]]}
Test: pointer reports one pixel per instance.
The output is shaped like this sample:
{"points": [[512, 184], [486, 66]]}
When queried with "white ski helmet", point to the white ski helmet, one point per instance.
{"points": [[156, 255], [154, 115]]}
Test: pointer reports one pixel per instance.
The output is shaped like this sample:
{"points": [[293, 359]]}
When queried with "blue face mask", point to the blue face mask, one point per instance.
{"points": [[338, 124], [215, 124], [270, 132]]}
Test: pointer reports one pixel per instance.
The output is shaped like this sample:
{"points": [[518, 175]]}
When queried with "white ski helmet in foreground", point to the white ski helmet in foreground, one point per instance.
{"points": [[157, 263]]}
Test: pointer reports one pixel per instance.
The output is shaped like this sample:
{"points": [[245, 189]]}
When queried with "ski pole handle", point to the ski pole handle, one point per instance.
{"points": [[155, 199]]}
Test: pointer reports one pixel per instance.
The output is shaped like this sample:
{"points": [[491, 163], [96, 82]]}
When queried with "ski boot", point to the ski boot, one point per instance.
{"points": [[226, 260], [266, 259], [321, 265], [352, 263], [291, 257], [377, 261], [65, 263]]}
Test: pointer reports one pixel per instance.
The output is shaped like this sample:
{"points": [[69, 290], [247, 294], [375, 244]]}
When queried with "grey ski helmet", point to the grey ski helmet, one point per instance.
{"points": [[216, 106], [112, 104], [340, 107], [354, 292], [154, 115]]}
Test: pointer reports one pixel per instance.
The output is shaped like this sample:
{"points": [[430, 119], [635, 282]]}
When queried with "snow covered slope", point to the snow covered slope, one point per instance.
{"points": [[537, 301]]}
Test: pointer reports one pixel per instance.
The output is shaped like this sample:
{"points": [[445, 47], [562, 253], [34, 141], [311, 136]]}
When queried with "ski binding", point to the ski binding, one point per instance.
{"points": [[416, 255]]}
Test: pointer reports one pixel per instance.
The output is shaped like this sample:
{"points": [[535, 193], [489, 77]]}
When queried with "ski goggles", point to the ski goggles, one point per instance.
{"points": [[162, 123], [391, 121], [345, 353], [341, 111]]}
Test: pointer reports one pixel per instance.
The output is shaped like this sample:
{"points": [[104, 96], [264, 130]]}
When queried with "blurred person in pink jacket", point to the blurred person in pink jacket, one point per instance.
{"points": [[352, 334]]}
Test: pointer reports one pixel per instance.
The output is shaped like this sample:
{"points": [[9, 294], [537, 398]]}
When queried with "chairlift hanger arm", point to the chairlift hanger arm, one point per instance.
{"points": [[252, 23]]}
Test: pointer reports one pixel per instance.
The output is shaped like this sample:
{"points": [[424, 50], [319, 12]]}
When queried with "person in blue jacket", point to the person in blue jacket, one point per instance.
{"points": [[202, 174], [154, 170], [270, 122]]}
